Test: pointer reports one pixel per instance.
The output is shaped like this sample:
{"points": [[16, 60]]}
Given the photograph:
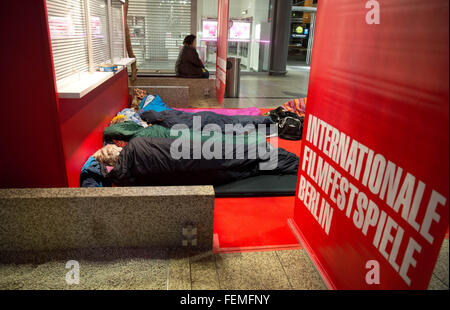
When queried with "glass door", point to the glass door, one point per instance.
{"points": [[301, 34]]}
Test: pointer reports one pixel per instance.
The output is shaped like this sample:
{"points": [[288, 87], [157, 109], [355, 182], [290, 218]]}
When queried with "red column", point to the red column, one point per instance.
{"points": [[222, 49], [31, 146]]}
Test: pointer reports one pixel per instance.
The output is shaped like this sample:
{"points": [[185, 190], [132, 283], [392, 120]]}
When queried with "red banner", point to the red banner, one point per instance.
{"points": [[372, 202], [222, 48]]}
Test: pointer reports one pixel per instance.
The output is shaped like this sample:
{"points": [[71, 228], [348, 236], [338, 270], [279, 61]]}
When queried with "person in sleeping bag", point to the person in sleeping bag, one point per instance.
{"points": [[198, 121], [94, 170], [91, 174], [126, 131], [168, 162]]}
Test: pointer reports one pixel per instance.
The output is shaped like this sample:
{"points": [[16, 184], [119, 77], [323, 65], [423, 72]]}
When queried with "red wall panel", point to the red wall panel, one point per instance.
{"points": [[386, 86], [84, 120], [31, 148], [44, 143]]}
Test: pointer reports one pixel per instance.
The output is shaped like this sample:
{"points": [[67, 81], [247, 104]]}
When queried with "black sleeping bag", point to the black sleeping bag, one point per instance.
{"points": [[171, 118], [148, 162]]}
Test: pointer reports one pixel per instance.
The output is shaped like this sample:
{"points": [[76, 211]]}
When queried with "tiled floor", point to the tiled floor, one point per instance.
{"points": [[163, 269], [265, 91], [439, 281], [180, 270]]}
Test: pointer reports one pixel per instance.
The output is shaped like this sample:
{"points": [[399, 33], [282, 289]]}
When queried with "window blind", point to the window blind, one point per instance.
{"points": [[68, 36], [99, 31], [118, 29], [68, 21], [157, 30]]}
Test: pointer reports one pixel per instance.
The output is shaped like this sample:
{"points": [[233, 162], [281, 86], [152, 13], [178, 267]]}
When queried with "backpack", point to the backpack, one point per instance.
{"points": [[277, 114], [291, 128]]}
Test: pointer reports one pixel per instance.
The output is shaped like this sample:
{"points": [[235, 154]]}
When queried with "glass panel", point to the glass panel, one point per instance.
{"points": [[118, 29], [157, 31], [249, 36], [302, 30], [100, 32], [68, 36]]}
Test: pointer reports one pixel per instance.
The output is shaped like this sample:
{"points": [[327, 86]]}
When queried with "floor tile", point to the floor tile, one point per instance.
{"points": [[179, 273], [203, 271], [251, 271], [436, 284], [293, 85], [441, 270], [102, 269], [300, 271], [265, 91]]}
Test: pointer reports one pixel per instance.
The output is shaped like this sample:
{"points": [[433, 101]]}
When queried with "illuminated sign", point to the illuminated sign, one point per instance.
{"points": [[209, 29], [238, 31]]}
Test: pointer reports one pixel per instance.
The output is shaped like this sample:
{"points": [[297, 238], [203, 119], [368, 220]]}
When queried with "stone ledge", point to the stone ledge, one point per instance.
{"points": [[106, 192], [200, 90], [62, 219]]}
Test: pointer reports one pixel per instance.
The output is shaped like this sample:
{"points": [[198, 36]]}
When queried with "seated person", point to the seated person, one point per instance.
{"points": [[189, 64]]}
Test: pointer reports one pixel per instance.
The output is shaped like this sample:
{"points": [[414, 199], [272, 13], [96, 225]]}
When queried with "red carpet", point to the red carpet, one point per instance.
{"points": [[255, 224]]}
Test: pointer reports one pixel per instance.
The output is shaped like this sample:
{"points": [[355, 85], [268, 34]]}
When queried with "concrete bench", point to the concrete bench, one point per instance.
{"points": [[78, 218], [202, 92]]}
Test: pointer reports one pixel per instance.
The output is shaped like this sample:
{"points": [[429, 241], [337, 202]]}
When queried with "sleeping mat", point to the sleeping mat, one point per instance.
{"points": [[259, 186]]}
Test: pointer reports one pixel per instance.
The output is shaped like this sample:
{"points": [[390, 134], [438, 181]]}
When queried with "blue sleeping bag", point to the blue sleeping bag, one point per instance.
{"points": [[152, 103]]}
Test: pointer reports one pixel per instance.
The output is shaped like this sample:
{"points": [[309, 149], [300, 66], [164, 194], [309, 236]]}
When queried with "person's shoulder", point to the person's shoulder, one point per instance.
{"points": [[186, 50]]}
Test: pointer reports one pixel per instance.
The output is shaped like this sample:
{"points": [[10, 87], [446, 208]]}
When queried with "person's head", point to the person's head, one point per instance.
{"points": [[108, 155], [190, 41]]}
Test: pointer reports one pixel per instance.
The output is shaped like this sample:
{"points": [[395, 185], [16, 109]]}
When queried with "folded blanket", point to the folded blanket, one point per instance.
{"points": [[130, 115], [297, 106]]}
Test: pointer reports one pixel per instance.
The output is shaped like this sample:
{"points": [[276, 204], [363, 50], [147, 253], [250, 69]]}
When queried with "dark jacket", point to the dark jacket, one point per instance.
{"points": [[189, 64], [92, 174]]}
